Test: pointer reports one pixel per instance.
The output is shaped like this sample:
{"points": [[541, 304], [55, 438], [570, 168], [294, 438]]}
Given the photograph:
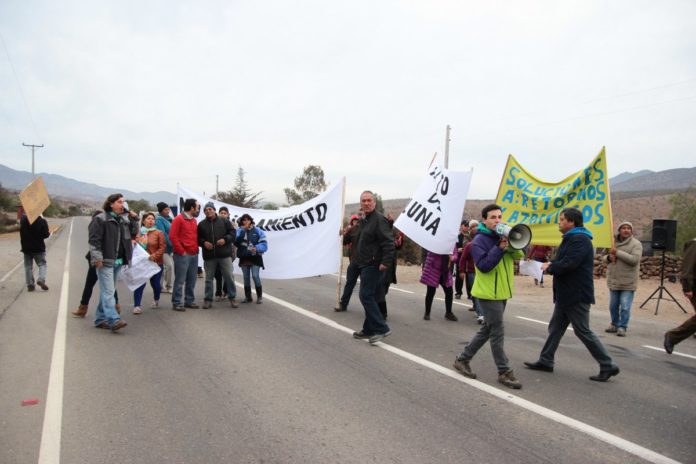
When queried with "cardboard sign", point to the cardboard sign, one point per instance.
{"points": [[34, 199]]}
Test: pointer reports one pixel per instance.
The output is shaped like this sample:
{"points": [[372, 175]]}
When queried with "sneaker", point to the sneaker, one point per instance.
{"points": [[178, 307], [233, 303], [30, 288], [611, 329], [259, 300], [451, 317], [154, 304], [361, 335], [375, 338], [118, 325], [457, 296], [191, 305], [166, 290], [463, 368], [137, 310], [207, 304], [508, 379], [218, 298], [621, 332], [42, 285], [479, 319]]}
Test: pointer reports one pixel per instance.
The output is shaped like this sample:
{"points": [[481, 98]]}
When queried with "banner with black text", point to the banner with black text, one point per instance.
{"points": [[432, 217], [303, 240]]}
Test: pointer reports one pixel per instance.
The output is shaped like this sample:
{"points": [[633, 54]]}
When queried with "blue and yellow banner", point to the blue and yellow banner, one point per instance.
{"points": [[528, 200]]}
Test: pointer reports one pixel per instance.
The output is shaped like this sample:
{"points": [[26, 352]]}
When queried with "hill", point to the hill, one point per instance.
{"points": [[641, 181], [64, 188]]}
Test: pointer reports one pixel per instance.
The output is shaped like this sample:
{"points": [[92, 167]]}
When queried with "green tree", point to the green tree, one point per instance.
{"points": [[141, 205], [270, 206], [379, 205], [240, 195], [7, 201], [684, 211], [307, 186]]}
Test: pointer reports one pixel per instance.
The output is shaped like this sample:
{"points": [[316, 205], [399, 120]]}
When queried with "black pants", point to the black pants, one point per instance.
{"points": [[430, 294]]}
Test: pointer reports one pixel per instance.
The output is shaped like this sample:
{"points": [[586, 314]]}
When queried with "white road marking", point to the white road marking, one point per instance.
{"points": [[394, 287], [618, 442], [537, 321], [673, 352], [49, 453], [6, 276]]}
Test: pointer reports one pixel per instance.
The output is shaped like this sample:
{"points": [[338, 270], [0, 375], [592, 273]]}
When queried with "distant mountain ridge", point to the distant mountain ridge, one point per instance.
{"points": [[60, 187], [647, 181]]}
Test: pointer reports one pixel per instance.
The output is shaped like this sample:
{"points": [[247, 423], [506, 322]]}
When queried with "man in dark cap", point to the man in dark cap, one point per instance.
{"points": [[215, 237], [163, 222]]}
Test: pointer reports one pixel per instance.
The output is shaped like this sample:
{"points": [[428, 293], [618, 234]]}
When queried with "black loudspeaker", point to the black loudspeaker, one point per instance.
{"points": [[664, 234]]}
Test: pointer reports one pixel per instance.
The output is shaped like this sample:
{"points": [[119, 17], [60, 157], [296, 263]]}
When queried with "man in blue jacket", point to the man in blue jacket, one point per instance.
{"points": [[573, 293]]}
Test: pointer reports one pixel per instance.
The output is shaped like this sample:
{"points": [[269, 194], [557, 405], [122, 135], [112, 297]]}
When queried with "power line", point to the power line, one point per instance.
{"points": [[19, 86]]}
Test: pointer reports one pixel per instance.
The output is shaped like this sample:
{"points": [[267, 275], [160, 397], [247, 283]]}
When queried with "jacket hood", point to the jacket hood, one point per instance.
{"points": [[485, 230], [579, 230]]}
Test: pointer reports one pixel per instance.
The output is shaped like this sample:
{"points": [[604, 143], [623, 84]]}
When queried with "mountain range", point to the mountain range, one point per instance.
{"points": [[64, 188]]}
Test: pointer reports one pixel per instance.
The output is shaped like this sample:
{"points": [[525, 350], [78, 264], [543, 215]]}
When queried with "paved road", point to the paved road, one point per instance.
{"points": [[284, 382]]}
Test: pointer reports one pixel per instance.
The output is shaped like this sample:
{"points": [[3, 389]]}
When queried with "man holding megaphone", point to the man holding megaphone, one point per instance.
{"points": [[494, 260]]}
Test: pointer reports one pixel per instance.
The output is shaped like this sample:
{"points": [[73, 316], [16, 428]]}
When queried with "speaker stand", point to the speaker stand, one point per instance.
{"points": [[661, 289]]}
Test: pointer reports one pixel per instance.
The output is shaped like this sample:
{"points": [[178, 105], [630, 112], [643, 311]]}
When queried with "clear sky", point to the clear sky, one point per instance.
{"points": [[141, 95]]}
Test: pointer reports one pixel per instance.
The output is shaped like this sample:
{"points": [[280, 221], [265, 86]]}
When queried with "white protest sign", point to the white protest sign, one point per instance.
{"points": [[432, 217], [303, 240]]}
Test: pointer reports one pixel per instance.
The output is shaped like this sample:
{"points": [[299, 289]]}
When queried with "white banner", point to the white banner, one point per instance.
{"points": [[303, 240], [139, 270], [432, 218]]}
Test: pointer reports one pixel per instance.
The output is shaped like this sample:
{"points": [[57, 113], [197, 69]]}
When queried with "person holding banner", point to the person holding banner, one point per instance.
{"points": [[573, 293], [184, 237], [623, 271], [110, 247], [251, 244], [31, 237], [215, 237], [375, 255], [152, 240], [437, 271], [493, 286], [350, 239]]}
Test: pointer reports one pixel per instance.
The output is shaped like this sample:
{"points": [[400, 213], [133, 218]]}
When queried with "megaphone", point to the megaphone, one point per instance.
{"points": [[518, 236]]}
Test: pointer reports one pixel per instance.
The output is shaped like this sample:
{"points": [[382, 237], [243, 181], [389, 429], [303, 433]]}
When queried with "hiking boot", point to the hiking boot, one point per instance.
{"points": [[191, 305], [361, 335], [30, 288], [102, 325], [178, 307], [118, 325], [611, 329], [620, 332], [508, 379], [42, 284], [81, 311], [233, 303], [463, 368], [207, 304], [451, 317], [375, 338]]}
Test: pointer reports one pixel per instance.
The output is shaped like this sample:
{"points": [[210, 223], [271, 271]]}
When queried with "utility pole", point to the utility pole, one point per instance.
{"points": [[447, 141], [32, 157]]}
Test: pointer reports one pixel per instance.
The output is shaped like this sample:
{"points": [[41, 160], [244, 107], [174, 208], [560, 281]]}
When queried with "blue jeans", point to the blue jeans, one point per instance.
{"points": [[185, 272], [492, 329], [155, 283], [470, 276], [370, 281], [225, 267], [106, 310], [29, 259], [352, 274], [620, 307], [577, 314], [254, 270]]}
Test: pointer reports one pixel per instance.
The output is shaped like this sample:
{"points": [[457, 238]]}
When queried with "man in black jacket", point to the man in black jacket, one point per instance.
{"points": [[374, 254], [215, 237], [32, 238], [573, 293]]}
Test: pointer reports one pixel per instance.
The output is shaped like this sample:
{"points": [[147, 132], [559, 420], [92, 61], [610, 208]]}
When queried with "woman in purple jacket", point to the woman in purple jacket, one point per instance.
{"points": [[437, 270]]}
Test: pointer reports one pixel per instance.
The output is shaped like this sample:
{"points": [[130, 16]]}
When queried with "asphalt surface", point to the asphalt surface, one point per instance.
{"points": [[270, 383]]}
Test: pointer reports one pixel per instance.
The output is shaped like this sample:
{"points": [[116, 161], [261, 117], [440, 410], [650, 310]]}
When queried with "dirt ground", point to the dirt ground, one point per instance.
{"points": [[525, 290]]}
